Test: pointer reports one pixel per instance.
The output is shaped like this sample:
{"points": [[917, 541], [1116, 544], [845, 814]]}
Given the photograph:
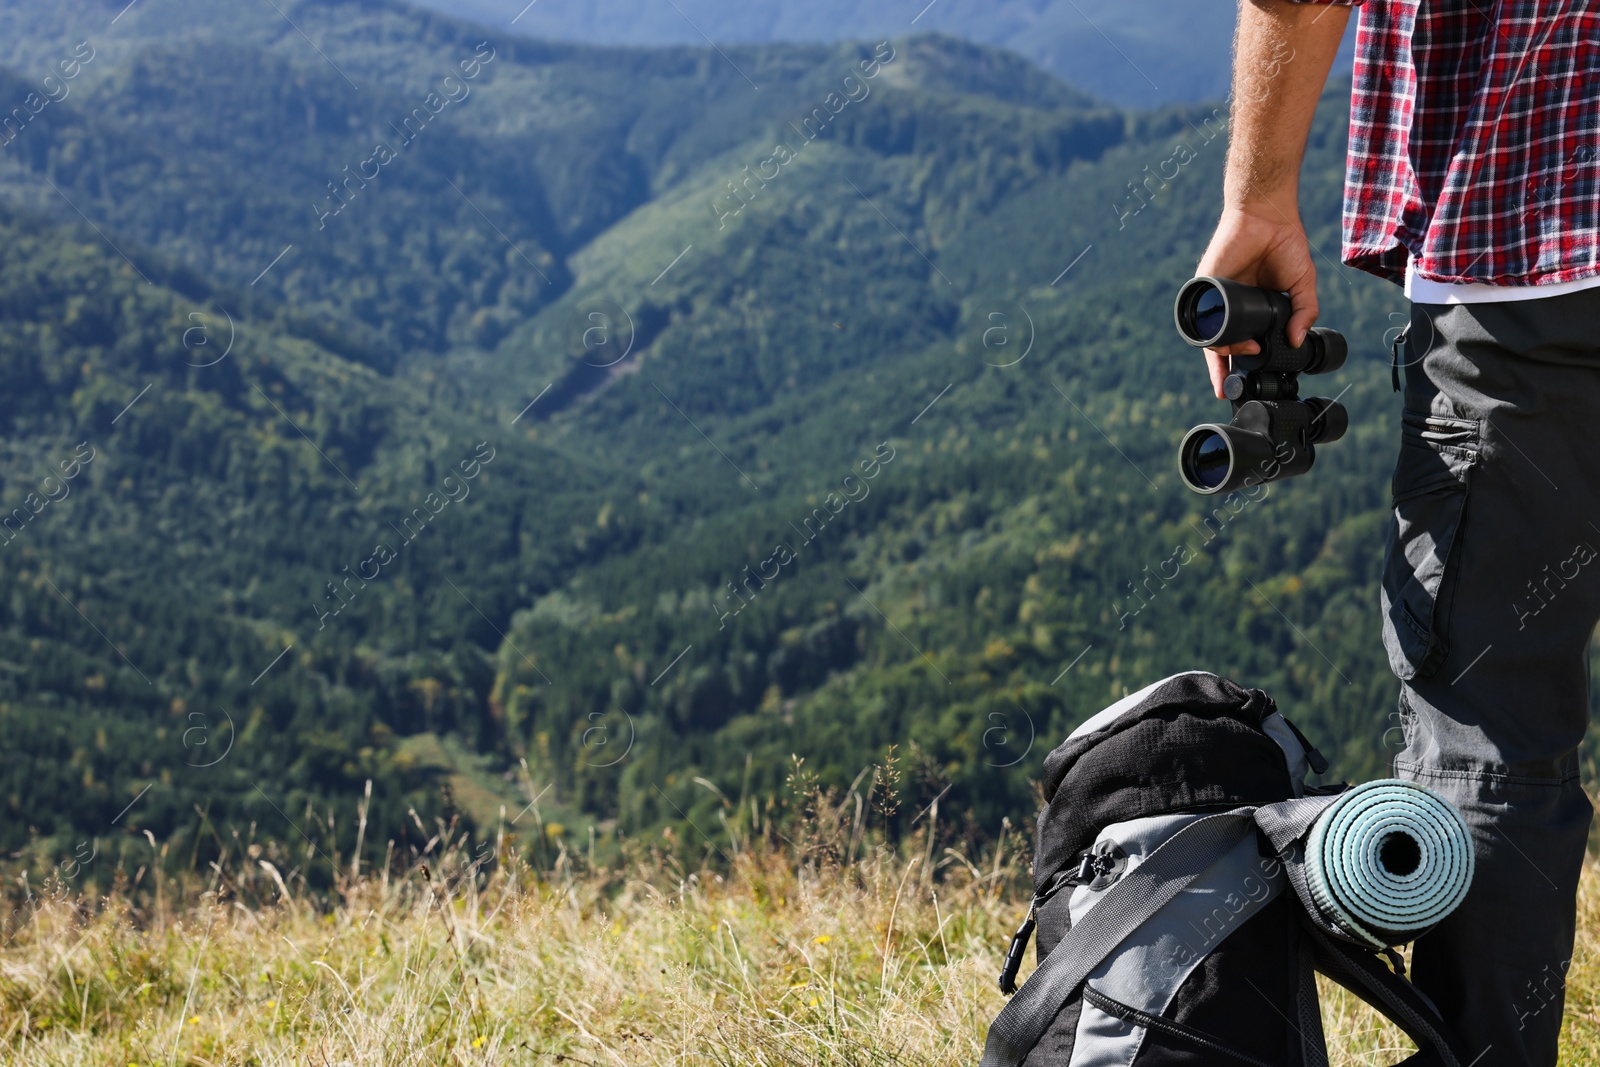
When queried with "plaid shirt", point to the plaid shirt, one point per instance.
{"points": [[1475, 141]]}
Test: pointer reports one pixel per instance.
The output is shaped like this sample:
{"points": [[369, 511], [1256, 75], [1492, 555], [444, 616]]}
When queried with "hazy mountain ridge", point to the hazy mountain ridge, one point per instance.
{"points": [[1138, 54]]}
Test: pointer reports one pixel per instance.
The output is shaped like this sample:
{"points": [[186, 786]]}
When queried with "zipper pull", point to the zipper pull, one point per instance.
{"points": [[1019, 945], [1317, 761], [1402, 338]]}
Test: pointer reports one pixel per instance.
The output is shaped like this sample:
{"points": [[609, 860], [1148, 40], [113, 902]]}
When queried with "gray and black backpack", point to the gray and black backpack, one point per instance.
{"points": [[1188, 887]]}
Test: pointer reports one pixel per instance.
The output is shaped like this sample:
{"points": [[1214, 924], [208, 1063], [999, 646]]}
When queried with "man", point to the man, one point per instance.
{"points": [[1474, 181]]}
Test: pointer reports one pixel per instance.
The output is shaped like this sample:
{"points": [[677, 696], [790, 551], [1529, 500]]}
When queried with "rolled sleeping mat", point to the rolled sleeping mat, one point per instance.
{"points": [[1388, 860]]}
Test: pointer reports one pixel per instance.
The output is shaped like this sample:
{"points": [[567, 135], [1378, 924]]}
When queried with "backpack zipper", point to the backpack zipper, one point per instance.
{"points": [[1129, 1013]]}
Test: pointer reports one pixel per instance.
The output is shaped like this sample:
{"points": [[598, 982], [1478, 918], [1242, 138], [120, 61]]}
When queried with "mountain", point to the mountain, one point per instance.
{"points": [[620, 427], [1135, 53], [1142, 53]]}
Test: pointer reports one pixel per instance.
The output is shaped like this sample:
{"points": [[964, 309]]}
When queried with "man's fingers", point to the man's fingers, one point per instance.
{"points": [[1217, 365], [1303, 298]]}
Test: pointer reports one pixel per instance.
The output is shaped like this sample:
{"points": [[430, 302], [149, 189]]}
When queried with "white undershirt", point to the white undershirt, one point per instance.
{"points": [[1425, 291]]}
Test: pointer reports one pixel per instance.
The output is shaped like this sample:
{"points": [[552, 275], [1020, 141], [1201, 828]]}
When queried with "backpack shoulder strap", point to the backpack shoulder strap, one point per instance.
{"points": [[1307, 1003], [1126, 906], [1400, 1001]]}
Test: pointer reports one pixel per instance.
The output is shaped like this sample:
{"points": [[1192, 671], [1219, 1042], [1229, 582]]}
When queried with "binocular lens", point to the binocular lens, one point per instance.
{"points": [[1207, 313], [1207, 460], [1202, 311], [1220, 311]]}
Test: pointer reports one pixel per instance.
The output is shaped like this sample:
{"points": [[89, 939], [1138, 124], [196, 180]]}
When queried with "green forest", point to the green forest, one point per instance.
{"points": [[407, 424]]}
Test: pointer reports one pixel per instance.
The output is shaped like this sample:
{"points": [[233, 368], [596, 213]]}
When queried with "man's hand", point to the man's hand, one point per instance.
{"points": [[1258, 245], [1281, 55]]}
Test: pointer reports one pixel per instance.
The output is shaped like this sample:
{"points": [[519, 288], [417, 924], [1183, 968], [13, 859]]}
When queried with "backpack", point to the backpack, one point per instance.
{"points": [[1179, 919]]}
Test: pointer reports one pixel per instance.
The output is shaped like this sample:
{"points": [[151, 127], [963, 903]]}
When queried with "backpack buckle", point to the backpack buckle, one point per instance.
{"points": [[1100, 865]]}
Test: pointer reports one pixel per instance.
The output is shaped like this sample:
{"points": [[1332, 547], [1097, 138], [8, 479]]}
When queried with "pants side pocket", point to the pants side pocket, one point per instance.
{"points": [[1430, 488]]}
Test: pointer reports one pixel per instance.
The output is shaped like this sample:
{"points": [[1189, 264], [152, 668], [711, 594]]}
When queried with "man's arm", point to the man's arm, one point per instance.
{"points": [[1282, 53]]}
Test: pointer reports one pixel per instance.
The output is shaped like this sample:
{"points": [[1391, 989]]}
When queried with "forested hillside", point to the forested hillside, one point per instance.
{"points": [[573, 439]]}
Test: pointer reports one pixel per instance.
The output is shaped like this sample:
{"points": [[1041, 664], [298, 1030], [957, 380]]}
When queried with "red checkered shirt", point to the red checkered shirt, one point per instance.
{"points": [[1475, 141]]}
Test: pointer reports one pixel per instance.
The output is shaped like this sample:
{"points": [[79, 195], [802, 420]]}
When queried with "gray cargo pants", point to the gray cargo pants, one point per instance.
{"points": [[1491, 590]]}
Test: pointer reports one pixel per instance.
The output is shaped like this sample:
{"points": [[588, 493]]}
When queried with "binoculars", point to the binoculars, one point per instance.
{"points": [[1273, 431]]}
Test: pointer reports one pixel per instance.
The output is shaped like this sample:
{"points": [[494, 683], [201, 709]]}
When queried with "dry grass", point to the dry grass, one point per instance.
{"points": [[857, 960]]}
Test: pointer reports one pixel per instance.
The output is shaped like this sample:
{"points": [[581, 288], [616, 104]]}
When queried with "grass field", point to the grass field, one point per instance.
{"points": [[796, 955]]}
